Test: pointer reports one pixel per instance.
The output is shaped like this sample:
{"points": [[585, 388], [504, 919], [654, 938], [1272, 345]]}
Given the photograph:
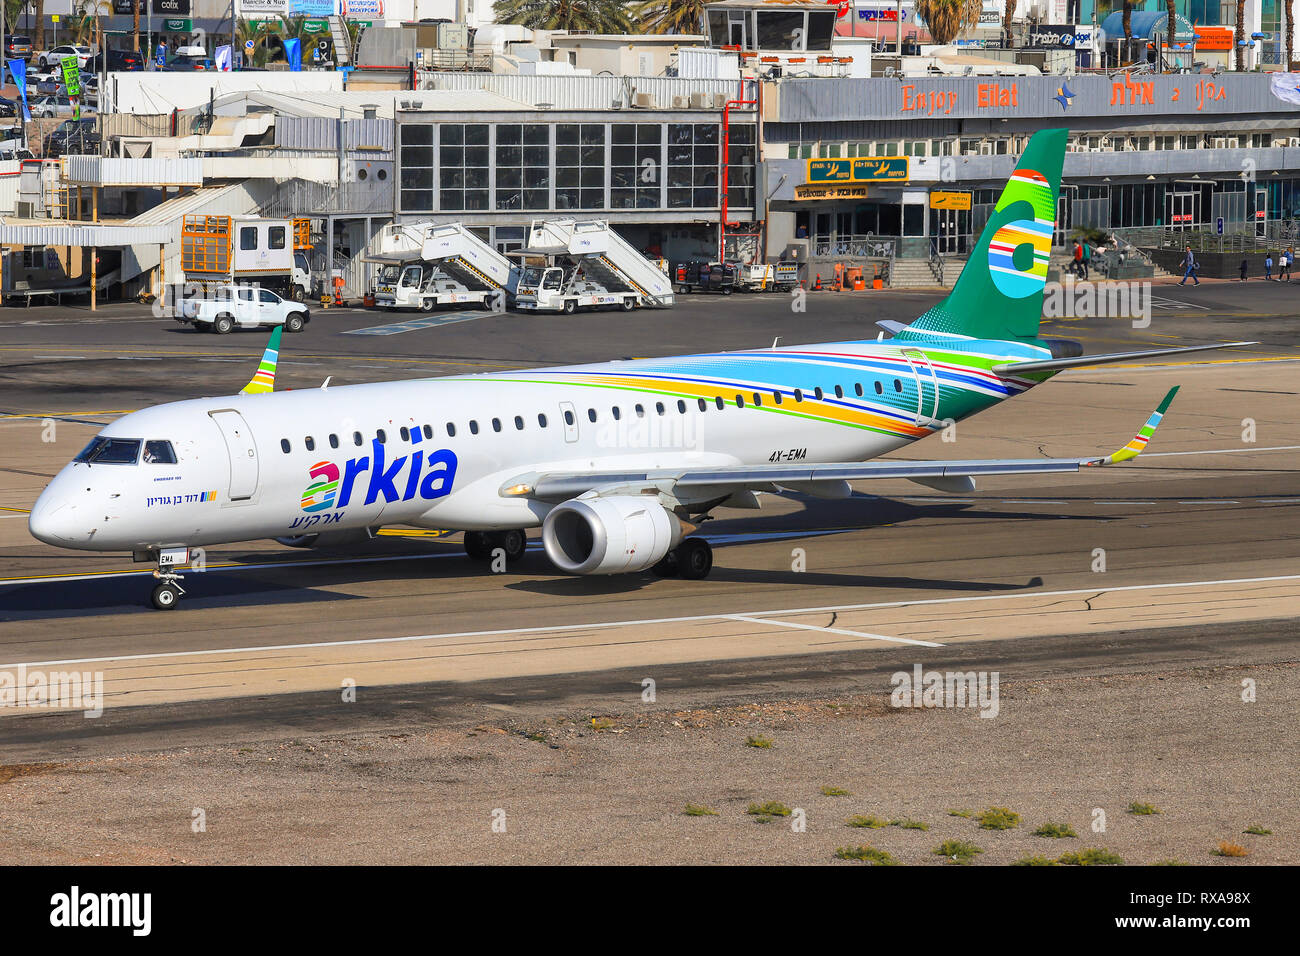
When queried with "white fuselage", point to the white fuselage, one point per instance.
{"points": [[436, 453]]}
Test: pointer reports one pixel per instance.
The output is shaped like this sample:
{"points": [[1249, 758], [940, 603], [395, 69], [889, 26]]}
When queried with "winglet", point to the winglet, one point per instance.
{"points": [[264, 379], [1139, 442]]}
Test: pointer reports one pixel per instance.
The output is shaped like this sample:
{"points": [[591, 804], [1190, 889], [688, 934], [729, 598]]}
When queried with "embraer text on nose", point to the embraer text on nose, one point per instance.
{"points": [[76, 909]]}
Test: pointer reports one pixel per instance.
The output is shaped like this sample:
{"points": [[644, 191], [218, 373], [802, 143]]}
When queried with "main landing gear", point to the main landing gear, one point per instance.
{"points": [[692, 560], [481, 545]]}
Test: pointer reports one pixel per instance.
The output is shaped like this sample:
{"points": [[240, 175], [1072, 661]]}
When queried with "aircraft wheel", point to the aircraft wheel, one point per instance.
{"points": [[165, 597], [667, 566], [478, 545], [514, 543], [694, 559]]}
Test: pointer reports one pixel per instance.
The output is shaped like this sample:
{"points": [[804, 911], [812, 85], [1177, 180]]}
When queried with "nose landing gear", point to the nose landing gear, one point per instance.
{"points": [[168, 592]]}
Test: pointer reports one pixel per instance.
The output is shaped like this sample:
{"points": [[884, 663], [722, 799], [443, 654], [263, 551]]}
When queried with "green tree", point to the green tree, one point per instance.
{"points": [[670, 16], [1290, 35], [259, 32], [592, 16], [948, 19], [38, 39]]}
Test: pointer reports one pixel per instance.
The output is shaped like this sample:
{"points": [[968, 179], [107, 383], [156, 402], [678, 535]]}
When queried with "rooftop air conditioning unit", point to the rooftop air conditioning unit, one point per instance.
{"points": [[699, 101], [719, 100], [644, 101], [681, 102], [1293, 141]]}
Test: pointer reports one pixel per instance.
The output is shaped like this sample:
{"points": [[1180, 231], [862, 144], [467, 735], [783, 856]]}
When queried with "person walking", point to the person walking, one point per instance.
{"points": [[1244, 267], [1189, 268], [1087, 258], [1078, 259], [1268, 265], [1282, 263]]}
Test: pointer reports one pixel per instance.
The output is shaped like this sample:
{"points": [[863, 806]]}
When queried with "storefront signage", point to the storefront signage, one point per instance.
{"points": [[862, 169], [829, 191], [1060, 36]]}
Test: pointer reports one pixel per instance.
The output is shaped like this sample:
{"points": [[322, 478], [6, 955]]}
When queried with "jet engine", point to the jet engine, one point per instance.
{"points": [[609, 535]]}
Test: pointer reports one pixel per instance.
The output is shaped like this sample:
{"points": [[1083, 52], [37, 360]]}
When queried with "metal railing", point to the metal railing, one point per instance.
{"points": [[824, 247], [300, 197], [1237, 237]]}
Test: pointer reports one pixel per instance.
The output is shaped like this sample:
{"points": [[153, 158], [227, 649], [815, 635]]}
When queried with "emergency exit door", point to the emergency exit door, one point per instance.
{"points": [[242, 451]]}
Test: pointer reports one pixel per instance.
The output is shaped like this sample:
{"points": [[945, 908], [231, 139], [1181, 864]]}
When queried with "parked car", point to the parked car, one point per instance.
{"points": [[57, 105], [187, 63], [56, 56], [18, 47], [47, 86], [8, 108], [242, 306], [73, 136], [118, 61]]}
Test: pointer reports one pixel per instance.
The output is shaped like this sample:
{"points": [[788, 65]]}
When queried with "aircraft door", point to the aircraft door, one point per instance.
{"points": [[927, 386], [242, 451], [570, 417]]}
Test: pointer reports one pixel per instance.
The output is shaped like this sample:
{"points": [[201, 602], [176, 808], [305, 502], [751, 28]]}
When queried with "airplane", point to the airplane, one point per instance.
{"points": [[618, 463]]}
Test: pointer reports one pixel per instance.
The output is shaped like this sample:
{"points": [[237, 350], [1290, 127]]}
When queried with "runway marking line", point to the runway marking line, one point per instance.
{"points": [[830, 630], [606, 625]]}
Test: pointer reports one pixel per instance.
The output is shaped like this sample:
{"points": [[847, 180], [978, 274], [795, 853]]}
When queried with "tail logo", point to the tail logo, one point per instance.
{"points": [[319, 495], [1019, 250]]}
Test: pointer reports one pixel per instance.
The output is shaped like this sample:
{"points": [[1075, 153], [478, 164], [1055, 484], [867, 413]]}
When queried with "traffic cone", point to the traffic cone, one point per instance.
{"points": [[817, 286]]}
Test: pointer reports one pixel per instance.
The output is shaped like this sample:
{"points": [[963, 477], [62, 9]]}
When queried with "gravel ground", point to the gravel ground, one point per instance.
{"points": [[613, 791]]}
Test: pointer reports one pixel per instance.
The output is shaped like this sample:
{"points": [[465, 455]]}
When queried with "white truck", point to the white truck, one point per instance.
{"points": [[221, 250], [425, 266], [584, 263], [227, 307]]}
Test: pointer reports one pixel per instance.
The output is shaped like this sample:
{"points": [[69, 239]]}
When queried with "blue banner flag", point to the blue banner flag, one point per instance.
{"points": [[18, 70], [293, 53]]}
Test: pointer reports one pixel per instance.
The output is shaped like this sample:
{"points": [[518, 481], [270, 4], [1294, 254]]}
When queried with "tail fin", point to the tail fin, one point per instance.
{"points": [[263, 380], [999, 294]]}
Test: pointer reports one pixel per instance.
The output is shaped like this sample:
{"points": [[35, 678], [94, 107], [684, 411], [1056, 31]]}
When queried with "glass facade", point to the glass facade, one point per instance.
{"points": [[534, 167]]}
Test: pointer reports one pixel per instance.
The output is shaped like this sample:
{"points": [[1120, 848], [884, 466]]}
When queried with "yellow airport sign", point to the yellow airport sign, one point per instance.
{"points": [[947, 199], [860, 169]]}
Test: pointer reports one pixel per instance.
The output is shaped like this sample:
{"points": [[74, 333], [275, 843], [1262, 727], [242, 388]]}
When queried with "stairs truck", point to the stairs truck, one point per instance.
{"points": [[453, 266], [583, 263], [220, 251]]}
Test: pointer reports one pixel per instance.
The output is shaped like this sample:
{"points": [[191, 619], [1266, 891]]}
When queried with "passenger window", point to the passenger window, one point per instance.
{"points": [[703, 405], [428, 431], [284, 445], [356, 438], [405, 433], [451, 430], [381, 436], [640, 411], [519, 423], [857, 387], [879, 390], [898, 386], [721, 402], [591, 414], [246, 295], [615, 412], [776, 397], [159, 453], [839, 392], [310, 443], [740, 401], [496, 424], [681, 407], [568, 417], [659, 407], [798, 395], [541, 419], [266, 295], [818, 393], [473, 427], [334, 441]]}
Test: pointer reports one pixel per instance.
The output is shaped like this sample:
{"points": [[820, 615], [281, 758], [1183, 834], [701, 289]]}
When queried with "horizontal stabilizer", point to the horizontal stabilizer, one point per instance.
{"points": [[1082, 361]]}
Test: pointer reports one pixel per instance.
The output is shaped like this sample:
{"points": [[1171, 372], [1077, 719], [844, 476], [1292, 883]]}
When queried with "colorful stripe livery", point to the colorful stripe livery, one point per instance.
{"points": [[320, 494], [1140, 440], [885, 388], [208, 496], [263, 380]]}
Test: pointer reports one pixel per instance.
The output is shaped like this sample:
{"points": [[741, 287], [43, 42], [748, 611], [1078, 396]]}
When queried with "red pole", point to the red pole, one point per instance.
{"points": [[726, 160]]}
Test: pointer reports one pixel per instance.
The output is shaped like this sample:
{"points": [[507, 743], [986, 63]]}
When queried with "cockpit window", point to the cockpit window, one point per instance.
{"points": [[159, 453], [111, 451]]}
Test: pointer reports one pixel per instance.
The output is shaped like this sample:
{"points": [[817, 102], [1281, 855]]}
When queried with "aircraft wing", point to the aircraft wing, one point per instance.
{"points": [[828, 480]]}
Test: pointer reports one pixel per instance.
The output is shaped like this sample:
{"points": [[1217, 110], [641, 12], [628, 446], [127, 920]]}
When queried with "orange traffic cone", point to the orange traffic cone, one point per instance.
{"points": [[817, 286]]}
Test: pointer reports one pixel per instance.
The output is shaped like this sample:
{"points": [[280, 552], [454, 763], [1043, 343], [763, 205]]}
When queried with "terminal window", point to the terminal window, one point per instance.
{"points": [[636, 164], [693, 156], [523, 166], [462, 167], [416, 155], [580, 166]]}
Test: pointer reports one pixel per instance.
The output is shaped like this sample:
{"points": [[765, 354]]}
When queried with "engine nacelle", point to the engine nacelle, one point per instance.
{"points": [[609, 535]]}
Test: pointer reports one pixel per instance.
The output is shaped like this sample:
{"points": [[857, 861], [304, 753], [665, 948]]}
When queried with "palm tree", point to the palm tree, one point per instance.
{"points": [[1173, 26], [670, 16], [1290, 34], [1008, 13], [135, 24], [1128, 31], [38, 41], [258, 32], [947, 19], [591, 16], [1239, 37]]}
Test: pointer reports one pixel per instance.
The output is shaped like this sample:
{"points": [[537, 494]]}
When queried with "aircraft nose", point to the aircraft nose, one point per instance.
{"points": [[53, 517]]}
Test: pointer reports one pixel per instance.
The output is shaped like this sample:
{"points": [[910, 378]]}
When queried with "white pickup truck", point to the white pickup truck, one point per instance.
{"points": [[239, 306]]}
